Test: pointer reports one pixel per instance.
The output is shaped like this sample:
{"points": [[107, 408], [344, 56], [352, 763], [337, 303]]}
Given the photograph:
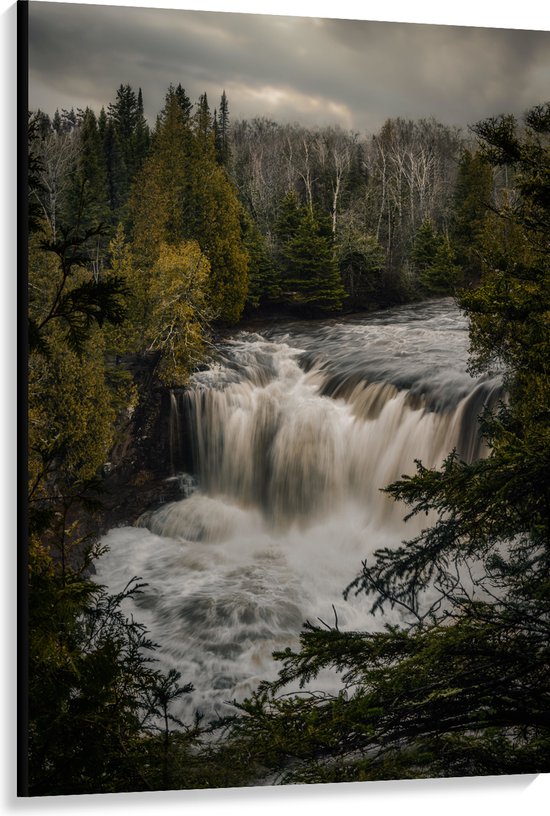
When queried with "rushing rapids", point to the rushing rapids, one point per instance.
{"points": [[281, 446]]}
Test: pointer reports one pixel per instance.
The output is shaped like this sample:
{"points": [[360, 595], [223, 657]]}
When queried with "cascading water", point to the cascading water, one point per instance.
{"points": [[290, 434]]}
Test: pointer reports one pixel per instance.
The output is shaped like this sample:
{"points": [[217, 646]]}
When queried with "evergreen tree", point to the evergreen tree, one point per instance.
{"points": [[117, 187], [217, 138], [472, 197], [65, 289], [161, 194], [69, 120], [309, 269], [131, 144], [56, 122], [288, 218], [86, 206], [361, 261], [183, 194], [442, 276], [214, 221], [223, 141], [35, 185], [433, 261], [425, 246], [141, 136], [183, 101], [124, 114], [179, 311], [203, 125], [263, 280], [94, 696]]}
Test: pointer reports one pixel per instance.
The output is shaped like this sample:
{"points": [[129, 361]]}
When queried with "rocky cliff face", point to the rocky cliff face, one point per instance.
{"points": [[137, 476]]}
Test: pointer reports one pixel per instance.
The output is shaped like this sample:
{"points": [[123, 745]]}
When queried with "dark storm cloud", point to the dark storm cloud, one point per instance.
{"points": [[297, 69]]}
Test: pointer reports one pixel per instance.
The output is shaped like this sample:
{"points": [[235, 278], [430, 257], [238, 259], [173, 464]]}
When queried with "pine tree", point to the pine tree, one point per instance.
{"points": [[286, 226], [433, 261], [114, 167], [183, 101], [443, 275], [425, 246], [472, 198], [215, 223], [312, 275], [203, 125], [179, 311], [87, 200], [223, 142], [183, 194], [362, 262], [160, 197], [56, 122], [94, 696], [132, 143], [141, 136], [263, 279]]}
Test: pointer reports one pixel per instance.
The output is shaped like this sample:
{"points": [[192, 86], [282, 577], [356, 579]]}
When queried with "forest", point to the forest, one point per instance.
{"points": [[146, 244]]}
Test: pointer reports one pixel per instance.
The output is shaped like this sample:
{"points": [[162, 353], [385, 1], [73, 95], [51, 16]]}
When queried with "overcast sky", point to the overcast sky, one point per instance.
{"points": [[312, 70]]}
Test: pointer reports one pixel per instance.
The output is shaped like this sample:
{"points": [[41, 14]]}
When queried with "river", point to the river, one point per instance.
{"points": [[281, 446]]}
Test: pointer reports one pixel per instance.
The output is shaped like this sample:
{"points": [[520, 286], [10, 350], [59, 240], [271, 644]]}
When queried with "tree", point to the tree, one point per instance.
{"points": [[161, 195], [86, 205], [433, 262], [442, 276], [179, 312], [222, 133], [63, 292], [131, 135], [183, 194], [310, 274], [461, 687], [261, 171], [184, 102], [203, 125], [117, 186], [94, 696], [411, 168], [263, 279], [362, 262], [473, 196], [213, 219], [336, 153], [425, 246], [52, 165]]}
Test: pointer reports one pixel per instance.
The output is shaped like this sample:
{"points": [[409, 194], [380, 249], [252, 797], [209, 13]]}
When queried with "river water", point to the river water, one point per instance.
{"points": [[281, 446]]}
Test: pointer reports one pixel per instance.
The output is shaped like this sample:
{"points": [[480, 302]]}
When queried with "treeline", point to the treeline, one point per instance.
{"points": [[373, 199], [140, 242], [316, 220]]}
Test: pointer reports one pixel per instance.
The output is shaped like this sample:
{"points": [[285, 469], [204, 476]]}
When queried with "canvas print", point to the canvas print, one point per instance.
{"points": [[287, 291]]}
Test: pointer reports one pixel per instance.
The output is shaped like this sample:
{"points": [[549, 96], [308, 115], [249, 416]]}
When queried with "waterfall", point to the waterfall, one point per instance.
{"points": [[289, 435]]}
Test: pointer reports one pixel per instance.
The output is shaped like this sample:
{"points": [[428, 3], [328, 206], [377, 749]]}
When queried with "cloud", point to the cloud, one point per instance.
{"points": [[288, 104], [353, 73]]}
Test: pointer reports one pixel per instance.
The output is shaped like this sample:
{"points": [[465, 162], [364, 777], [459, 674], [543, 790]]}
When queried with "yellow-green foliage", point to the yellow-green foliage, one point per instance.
{"points": [[157, 202], [183, 194], [44, 276], [503, 244], [126, 337], [70, 405], [218, 230], [70, 412], [178, 308]]}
